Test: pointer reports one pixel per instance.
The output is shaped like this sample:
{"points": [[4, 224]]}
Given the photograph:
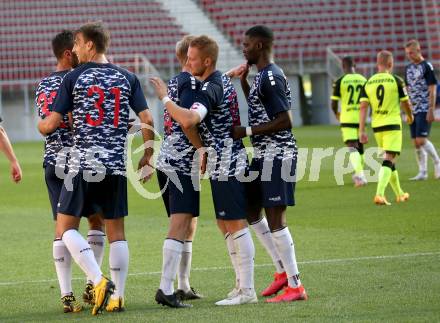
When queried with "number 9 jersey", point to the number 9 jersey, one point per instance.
{"points": [[99, 97], [384, 92]]}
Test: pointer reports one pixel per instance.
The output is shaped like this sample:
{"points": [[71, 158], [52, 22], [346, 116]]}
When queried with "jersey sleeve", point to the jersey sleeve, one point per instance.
{"points": [[187, 86], [137, 99], [429, 74], [209, 95], [273, 94], [363, 97], [401, 87], [64, 99], [336, 94]]}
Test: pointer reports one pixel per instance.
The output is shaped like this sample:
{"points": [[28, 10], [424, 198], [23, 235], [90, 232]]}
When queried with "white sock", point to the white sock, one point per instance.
{"points": [[430, 149], [261, 229], [82, 254], [286, 250], [118, 260], [63, 266], [185, 267], [234, 258], [172, 252], [422, 159], [96, 240], [245, 249]]}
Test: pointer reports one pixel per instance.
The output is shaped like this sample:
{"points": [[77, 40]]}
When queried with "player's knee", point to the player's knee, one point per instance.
{"points": [[96, 222], [419, 141]]}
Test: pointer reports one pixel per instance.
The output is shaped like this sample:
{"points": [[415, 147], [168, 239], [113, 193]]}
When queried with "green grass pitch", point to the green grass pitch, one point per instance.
{"points": [[358, 262]]}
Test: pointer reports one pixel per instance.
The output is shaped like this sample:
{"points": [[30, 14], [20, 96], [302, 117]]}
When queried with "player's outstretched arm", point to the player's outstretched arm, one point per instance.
{"points": [[282, 121], [50, 123], [363, 138], [186, 118], [145, 163], [241, 71], [6, 148]]}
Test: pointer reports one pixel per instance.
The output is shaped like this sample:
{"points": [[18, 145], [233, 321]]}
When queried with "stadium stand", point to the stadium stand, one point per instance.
{"points": [[307, 28], [137, 27]]}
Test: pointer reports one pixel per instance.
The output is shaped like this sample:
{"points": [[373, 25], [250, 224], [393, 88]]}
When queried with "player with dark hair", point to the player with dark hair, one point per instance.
{"points": [[269, 128], [422, 87], [182, 203], [99, 95], [212, 114], [347, 89], [386, 94], [55, 154]]}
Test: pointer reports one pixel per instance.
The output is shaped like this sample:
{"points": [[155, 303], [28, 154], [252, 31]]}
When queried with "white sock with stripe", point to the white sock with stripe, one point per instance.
{"points": [[82, 254], [63, 266], [286, 250], [118, 260]]}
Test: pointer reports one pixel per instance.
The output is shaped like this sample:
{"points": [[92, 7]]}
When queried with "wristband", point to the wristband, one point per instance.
{"points": [[248, 131], [165, 99]]}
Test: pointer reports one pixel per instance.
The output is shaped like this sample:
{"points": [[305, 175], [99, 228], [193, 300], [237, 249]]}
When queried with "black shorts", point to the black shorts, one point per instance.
{"points": [[54, 185], [271, 189], [183, 199], [420, 127], [108, 196], [229, 199]]}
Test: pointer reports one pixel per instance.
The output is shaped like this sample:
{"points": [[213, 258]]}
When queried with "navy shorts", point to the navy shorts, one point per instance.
{"points": [[420, 127], [186, 200], [271, 189], [229, 199], [108, 196], [54, 185]]}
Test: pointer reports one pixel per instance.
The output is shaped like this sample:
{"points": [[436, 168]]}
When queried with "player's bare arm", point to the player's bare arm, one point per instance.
{"points": [[184, 117], [50, 123], [282, 121], [432, 98], [363, 138], [6, 147], [335, 108], [406, 107], [148, 138]]}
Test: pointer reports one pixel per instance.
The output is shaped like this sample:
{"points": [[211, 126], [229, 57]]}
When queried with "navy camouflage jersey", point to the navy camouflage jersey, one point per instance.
{"points": [[268, 96], [418, 77], [45, 96], [99, 96], [176, 152], [219, 96]]}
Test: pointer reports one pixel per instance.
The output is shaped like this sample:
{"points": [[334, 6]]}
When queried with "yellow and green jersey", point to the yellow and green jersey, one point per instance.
{"points": [[348, 89], [384, 92]]}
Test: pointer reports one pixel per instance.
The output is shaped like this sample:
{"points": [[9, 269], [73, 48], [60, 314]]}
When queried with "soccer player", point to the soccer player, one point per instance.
{"points": [[386, 94], [99, 95], [182, 204], [211, 115], [422, 85], [6, 148], [269, 128], [347, 89], [54, 157]]}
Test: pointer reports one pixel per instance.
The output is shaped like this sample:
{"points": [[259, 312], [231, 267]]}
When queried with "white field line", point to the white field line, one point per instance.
{"points": [[307, 262]]}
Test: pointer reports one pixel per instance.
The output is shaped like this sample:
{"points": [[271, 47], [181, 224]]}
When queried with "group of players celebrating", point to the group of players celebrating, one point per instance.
{"points": [[387, 93], [84, 108]]}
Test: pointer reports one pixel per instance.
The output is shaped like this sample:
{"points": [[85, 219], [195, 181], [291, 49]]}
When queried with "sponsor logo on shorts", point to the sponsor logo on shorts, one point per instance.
{"points": [[222, 213], [275, 199]]}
